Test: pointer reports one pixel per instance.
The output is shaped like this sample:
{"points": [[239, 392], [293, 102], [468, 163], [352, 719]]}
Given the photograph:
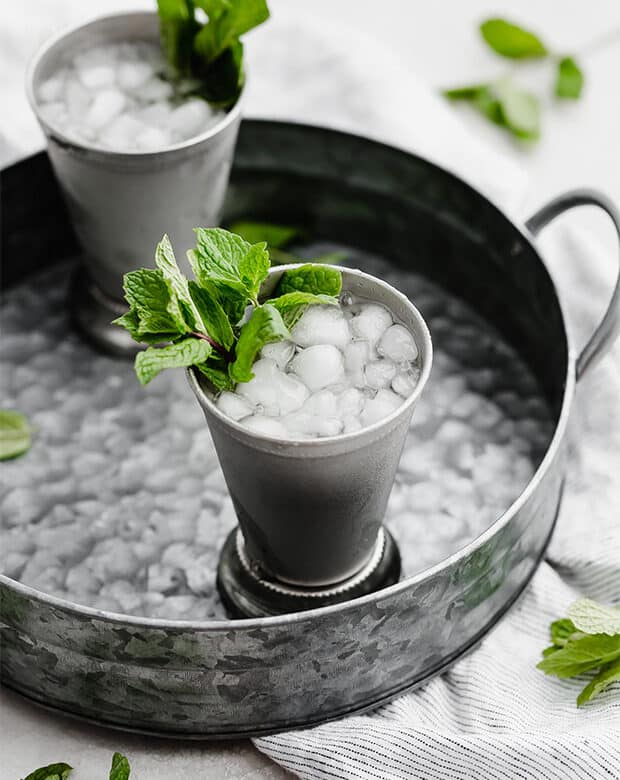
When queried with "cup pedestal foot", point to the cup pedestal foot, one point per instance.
{"points": [[247, 591]]}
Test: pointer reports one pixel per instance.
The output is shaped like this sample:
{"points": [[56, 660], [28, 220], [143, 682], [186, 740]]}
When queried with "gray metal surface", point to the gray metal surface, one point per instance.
{"points": [[310, 511], [121, 203], [220, 678]]}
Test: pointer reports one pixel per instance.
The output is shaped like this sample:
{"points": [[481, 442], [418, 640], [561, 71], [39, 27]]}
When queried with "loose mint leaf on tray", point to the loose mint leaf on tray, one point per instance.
{"points": [[512, 41], [593, 618], [276, 236], [15, 434], [292, 305], [264, 327], [569, 79], [120, 769], [212, 314], [180, 355], [315, 279], [608, 674], [59, 771], [582, 655]]}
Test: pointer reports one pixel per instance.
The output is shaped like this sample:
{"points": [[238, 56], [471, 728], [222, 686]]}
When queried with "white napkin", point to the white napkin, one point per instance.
{"points": [[493, 715]]}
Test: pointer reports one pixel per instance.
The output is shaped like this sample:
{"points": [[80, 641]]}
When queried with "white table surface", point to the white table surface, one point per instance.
{"points": [[437, 41]]}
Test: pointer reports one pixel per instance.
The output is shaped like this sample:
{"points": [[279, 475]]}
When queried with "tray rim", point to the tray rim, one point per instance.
{"points": [[211, 625]]}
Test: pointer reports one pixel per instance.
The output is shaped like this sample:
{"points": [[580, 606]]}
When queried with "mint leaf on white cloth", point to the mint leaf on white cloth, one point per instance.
{"points": [[59, 771], [120, 769], [593, 618], [511, 40]]}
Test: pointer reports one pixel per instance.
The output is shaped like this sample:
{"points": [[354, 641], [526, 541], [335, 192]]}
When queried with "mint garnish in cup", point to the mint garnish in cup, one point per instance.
{"points": [[205, 58], [216, 321]]}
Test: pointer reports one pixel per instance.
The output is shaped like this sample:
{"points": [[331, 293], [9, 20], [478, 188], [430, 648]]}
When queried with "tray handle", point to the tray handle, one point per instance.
{"points": [[609, 327]]}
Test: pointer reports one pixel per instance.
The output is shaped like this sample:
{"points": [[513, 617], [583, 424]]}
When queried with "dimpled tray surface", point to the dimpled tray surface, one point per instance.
{"points": [[112, 523]]}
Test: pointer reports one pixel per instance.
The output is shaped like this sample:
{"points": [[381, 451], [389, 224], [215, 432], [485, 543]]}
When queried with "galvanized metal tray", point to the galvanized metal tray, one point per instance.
{"points": [[112, 523]]}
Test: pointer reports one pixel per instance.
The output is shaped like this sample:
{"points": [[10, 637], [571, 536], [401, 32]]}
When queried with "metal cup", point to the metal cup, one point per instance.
{"points": [[311, 510], [121, 203]]}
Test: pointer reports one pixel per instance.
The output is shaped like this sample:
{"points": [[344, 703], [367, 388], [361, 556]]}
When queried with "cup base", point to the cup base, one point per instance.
{"points": [[247, 592], [92, 312]]}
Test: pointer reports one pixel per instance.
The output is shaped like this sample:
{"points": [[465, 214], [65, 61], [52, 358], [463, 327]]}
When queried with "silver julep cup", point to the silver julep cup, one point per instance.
{"points": [[120, 203], [310, 511]]}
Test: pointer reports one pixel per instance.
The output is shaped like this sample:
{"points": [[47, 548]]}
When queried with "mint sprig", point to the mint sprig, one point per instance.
{"points": [[588, 639], [216, 322], [206, 58], [502, 101]]}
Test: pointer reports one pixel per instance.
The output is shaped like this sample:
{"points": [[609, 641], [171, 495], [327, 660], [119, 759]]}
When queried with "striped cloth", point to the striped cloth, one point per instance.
{"points": [[493, 716]]}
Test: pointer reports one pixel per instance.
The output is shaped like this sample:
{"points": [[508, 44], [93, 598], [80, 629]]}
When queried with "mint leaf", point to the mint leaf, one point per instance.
{"points": [[569, 79], [234, 266], [264, 327], [607, 675], [292, 305], [15, 438], [59, 771], [594, 618], [276, 236], [182, 354], [213, 316], [222, 80], [217, 257], [149, 295], [120, 769], [177, 283], [228, 21], [469, 92], [131, 322], [315, 279], [581, 655], [561, 631], [520, 110], [511, 40], [254, 268], [177, 29], [504, 104], [217, 374]]}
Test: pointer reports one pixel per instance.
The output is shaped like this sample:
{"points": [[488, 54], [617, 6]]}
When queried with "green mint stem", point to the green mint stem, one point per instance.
{"points": [[217, 347]]}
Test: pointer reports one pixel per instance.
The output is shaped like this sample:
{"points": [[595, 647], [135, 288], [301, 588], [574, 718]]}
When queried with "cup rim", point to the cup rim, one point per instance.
{"points": [[230, 117], [426, 355]]}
